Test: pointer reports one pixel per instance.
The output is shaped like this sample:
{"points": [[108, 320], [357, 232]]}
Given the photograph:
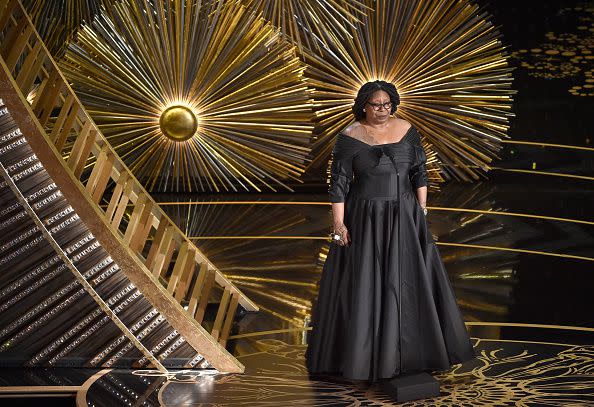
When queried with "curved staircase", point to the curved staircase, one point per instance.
{"points": [[92, 271]]}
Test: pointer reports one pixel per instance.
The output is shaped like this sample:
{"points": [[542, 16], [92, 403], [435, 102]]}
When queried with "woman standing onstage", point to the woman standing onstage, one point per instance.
{"points": [[385, 304]]}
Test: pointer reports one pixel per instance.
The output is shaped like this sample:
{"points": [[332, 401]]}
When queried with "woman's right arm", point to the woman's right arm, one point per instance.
{"points": [[341, 175], [338, 225]]}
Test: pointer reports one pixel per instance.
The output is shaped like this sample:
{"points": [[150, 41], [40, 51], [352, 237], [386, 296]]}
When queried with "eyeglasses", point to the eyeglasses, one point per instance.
{"points": [[378, 106]]}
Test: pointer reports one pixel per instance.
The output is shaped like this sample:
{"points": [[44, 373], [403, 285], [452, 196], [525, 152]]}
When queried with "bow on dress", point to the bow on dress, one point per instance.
{"points": [[393, 152], [414, 155]]}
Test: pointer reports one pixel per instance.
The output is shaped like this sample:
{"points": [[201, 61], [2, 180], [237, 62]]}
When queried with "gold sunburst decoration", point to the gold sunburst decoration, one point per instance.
{"points": [[195, 96], [450, 69]]}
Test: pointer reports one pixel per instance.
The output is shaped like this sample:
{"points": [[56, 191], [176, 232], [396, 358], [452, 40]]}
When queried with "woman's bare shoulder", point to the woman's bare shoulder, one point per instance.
{"points": [[353, 129], [348, 141]]}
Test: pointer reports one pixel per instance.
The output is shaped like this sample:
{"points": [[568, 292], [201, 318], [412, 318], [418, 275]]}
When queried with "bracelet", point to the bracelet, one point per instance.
{"points": [[340, 228]]}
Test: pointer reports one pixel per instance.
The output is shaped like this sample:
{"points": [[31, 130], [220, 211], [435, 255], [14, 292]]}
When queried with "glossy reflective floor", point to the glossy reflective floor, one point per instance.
{"points": [[505, 374]]}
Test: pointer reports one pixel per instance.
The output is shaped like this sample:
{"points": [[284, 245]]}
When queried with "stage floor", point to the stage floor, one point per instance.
{"points": [[518, 250]]}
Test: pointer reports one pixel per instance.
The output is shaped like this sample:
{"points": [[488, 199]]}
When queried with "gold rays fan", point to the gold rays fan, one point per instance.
{"points": [[450, 69], [195, 96], [306, 22]]}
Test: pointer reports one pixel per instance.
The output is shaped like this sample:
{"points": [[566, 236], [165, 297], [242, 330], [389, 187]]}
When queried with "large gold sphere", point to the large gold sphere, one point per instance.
{"points": [[179, 123]]}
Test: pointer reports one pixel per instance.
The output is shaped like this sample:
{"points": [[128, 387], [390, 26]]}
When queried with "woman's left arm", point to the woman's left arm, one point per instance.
{"points": [[422, 196], [418, 172]]}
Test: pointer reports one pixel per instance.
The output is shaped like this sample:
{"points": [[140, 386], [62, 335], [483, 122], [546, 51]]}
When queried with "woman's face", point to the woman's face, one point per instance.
{"points": [[378, 100]]}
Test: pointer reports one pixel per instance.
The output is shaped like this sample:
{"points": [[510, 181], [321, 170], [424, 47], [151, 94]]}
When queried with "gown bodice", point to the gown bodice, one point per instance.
{"points": [[381, 171]]}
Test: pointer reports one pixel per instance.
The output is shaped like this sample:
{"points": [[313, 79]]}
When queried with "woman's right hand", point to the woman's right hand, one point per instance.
{"points": [[344, 233]]}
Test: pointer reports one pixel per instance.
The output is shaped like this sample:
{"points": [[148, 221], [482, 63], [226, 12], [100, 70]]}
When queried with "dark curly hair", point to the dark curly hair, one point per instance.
{"points": [[369, 89]]}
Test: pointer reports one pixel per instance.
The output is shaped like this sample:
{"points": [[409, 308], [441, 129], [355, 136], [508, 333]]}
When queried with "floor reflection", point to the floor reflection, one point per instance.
{"points": [[505, 373]]}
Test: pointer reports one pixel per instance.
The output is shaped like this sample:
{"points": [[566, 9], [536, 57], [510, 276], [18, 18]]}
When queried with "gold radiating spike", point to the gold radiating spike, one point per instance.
{"points": [[296, 17]]}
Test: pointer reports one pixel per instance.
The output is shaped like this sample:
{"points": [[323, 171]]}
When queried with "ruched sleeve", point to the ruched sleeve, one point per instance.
{"points": [[418, 171], [341, 170]]}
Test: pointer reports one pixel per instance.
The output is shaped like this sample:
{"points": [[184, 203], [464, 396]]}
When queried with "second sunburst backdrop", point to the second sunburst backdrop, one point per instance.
{"points": [[233, 95]]}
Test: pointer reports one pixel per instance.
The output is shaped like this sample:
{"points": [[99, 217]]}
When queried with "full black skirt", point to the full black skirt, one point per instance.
{"points": [[385, 304]]}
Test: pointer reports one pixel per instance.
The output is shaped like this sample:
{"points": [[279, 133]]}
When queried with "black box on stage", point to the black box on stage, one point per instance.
{"points": [[411, 387]]}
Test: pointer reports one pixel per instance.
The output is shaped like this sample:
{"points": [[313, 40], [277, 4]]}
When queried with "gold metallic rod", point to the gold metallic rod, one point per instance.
{"points": [[475, 246], [511, 249], [540, 326], [478, 340], [256, 237], [554, 174], [540, 143], [433, 208], [239, 278], [472, 323]]}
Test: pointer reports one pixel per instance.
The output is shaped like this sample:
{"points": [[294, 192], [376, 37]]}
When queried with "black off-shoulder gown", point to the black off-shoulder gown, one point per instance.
{"points": [[385, 305]]}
